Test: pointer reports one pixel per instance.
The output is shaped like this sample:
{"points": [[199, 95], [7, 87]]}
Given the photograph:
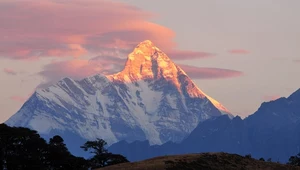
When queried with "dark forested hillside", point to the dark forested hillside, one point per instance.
{"points": [[209, 161], [24, 149]]}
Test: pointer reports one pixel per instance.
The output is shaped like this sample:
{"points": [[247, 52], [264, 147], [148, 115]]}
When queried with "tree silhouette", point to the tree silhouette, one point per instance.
{"points": [[24, 149], [21, 148], [116, 159], [58, 154], [60, 158], [96, 147], [294, 160], [101, 156], [261, 159]]}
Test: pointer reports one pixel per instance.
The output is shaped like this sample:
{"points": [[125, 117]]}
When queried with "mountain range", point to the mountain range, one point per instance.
{"points": [[152, 108], [271, 132], [151, 99]]}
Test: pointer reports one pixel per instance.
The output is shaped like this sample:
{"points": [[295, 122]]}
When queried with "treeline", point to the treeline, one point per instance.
{"points": [[24, 149]]}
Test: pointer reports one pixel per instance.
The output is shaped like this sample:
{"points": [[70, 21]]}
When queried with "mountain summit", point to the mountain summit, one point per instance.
{"points": [[150, 99], [145, 62], [148, 62]]}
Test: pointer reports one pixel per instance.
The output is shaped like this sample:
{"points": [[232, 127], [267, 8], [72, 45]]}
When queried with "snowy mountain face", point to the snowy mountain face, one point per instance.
{"points": [[151, 99], [273, 131]]}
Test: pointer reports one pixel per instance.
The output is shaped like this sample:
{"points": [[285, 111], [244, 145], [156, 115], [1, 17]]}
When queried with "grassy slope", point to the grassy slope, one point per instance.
{"points": [[206, 161]]}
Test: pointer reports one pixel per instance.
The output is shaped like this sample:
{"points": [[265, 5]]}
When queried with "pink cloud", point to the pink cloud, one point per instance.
{"points": [[20, 99], [271, 97], [187, 55], [110, 63], [78, 28], [81, 68], [46, 28], [32, 29], [239, 51], [209, 73], [9, 71]]}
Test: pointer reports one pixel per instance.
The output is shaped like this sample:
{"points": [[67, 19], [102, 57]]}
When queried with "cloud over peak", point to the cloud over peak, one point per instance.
{"points": [[79, 29], [19, 99], [10, 71], [239, 51], [51, 28], [209, 73], [112, 63]]}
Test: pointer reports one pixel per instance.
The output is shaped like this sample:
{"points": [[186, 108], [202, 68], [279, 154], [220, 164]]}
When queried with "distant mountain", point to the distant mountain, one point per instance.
{"points": [[151, 99], [273, 131]]}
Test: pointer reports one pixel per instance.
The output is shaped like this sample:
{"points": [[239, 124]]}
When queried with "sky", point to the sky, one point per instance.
{"points": [[241, 53]]}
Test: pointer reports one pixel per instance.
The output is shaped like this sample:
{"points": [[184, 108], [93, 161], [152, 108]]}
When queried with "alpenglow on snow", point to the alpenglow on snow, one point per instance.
{"points": [[150, 99]]}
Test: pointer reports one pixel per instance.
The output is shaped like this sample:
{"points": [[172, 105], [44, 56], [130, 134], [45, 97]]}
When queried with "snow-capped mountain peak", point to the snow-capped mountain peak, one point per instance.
{"points": [[150, 99], [147, 61]]}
